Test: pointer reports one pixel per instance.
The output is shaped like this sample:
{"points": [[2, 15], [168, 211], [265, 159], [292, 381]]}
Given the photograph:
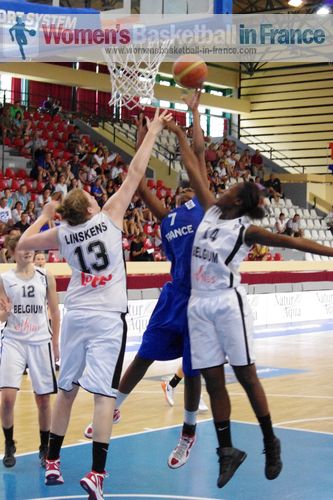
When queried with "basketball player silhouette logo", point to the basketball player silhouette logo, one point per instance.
{"points": [[18, 33]]}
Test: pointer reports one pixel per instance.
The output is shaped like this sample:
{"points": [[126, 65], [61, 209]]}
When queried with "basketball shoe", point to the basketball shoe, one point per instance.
{"points": [[273, 464], [92, 483], [230, 459], [88, 432], [43, 455], [52, 473], [181, 453], [202, 408], [168, 392], [9, 459]]}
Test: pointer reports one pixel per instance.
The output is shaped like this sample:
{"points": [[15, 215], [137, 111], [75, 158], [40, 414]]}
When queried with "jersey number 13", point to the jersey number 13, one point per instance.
{"points": [[101, 261]]}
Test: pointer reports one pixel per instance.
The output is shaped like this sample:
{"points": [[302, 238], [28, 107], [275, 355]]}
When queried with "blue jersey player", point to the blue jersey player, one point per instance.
{"points": [[166, 336]]}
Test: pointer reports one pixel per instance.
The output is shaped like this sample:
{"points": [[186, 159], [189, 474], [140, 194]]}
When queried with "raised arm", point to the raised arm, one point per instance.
{"points": [[141, 131], [255, 234], [32, 239], [198, 139], [192, 167], [116, 206], [152, 202]]}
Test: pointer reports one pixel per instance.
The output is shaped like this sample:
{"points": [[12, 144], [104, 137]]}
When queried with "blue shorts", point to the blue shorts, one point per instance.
{"points": [[166, 336]]}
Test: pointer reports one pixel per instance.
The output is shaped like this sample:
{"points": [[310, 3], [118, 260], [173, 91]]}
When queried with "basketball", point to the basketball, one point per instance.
{"points": [[190, 72], [32, 32]]}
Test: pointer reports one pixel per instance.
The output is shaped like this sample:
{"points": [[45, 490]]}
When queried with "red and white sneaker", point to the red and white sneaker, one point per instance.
{"points": [[92, 483], [88, 432], [116, 416], [181, 453], [52, 473]]}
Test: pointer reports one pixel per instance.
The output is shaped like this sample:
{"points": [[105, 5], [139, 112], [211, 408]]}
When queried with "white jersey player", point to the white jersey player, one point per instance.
{"points": [[27, 338], [219, 316], [93, 330]]}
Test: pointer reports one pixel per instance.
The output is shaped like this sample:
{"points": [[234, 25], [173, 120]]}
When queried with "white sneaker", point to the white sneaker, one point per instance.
{"points": [[88, 432], [181, 453], [168, 392], [52, 473], [92, 483], [202, 408]]}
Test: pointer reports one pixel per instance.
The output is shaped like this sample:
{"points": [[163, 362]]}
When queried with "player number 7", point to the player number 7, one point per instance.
{"points": [[172, 217]]}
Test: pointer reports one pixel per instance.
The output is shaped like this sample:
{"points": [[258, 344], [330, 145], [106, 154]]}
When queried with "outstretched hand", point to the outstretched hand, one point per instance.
{"points": [[193, 100], [172, 126], [49, 210], [159, 121]]}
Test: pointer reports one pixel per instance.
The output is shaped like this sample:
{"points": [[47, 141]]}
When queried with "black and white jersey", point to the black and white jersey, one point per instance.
{"points": [[94, 252], [28, 320], [217, 252]]}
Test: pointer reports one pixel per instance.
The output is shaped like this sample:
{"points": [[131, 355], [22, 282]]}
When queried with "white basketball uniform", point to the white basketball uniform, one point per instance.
{"points": [[93, 332], [26, 337], [220, 320]]}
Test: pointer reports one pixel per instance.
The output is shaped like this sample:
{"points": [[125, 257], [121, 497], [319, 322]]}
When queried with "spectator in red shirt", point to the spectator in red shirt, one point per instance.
{"points": [[211, 156], [257, 164]]}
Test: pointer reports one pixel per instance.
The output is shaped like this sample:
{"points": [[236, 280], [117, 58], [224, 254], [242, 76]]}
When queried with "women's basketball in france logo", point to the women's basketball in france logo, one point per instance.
{"points": [[18, 33]]}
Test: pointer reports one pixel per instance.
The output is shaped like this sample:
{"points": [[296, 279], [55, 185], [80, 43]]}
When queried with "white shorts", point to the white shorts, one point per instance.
{"points": [[221, 329], [15, 355], [92, 351]]}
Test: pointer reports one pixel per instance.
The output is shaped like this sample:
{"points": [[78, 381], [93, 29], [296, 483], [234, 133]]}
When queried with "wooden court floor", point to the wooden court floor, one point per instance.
{"points": [[300, 393]]}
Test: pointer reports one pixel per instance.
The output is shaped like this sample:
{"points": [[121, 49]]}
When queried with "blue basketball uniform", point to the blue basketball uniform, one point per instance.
{"points": [[166, 336]]}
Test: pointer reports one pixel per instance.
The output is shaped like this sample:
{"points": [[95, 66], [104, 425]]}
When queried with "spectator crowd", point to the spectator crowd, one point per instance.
{"points": [[63, 158]]}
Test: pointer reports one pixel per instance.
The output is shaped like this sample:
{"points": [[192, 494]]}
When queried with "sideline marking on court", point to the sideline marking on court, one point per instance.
{"points": [[174, 427], [305, 420], [85, 442], [131, 495], [276, 394], [296, 429]]}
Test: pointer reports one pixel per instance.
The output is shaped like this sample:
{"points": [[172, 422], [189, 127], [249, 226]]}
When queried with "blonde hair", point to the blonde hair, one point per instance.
{"points": [[74, 208], [11, 243]]}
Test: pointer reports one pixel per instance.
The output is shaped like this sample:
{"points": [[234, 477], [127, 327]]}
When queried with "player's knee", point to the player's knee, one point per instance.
{"points": [[43, 402], [247, 377], [7, 402], [214, 386]]}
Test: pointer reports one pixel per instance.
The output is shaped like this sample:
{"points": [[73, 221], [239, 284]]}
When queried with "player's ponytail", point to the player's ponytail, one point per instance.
{"points": [[74, 208], [251, 198]]}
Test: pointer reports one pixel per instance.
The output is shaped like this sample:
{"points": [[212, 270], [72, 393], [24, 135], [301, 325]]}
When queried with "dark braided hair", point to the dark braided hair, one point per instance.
{"points": [[250, 195]]}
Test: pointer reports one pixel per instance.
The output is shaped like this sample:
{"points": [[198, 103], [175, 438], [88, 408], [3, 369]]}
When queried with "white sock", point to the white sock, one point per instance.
{"points": [[120, 399], [190, 417]]}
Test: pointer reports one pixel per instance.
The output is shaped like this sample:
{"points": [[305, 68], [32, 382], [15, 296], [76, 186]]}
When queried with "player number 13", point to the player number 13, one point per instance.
{"points": [[101, 257]]}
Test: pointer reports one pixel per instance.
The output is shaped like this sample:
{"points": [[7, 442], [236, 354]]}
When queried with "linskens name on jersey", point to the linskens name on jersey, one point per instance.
{"points": [[180, 231], [80, 236], [27, 309], [204, 254]]}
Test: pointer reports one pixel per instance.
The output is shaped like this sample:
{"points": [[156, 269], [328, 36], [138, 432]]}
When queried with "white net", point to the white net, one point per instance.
{"points": [[133, 71]]}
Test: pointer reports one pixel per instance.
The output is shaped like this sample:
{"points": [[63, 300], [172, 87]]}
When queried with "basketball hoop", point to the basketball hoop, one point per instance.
{"points": [[133, 71]]}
